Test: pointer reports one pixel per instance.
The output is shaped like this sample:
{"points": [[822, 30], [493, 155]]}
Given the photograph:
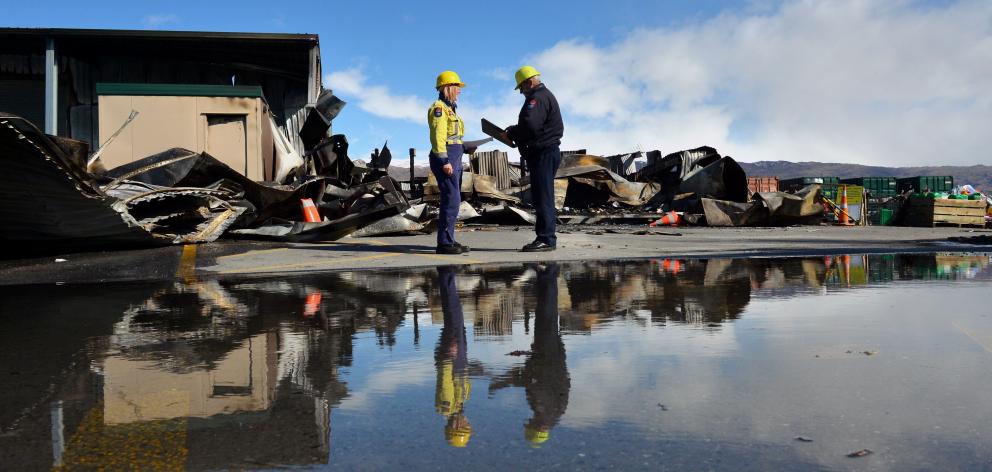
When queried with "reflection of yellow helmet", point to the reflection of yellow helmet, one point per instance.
{"points": [[457, 437], [448, 78], [525, 73], [536, 436]]}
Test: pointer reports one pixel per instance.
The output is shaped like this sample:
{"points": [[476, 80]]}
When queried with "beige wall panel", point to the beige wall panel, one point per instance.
{"points": [[225, 139], [250, 107], [113, 112], [167, 122], [164, 123]]}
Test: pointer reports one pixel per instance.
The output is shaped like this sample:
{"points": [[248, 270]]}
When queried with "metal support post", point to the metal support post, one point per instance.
{"points": [[51, 88]]}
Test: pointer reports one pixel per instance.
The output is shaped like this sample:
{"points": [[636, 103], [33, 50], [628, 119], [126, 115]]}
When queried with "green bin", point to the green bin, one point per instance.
{"points": [[885, 217]]}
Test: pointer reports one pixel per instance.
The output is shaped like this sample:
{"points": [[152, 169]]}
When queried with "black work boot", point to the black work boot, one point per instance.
{"points": [[463, 247], [448, 249], [538, 246]]}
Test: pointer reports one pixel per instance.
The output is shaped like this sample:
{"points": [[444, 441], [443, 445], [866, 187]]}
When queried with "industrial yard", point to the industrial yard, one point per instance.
{"points": [[225, 250]]}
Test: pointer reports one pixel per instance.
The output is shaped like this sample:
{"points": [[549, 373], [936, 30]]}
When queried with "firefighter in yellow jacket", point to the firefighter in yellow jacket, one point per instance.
{"points": [[447, 130]]}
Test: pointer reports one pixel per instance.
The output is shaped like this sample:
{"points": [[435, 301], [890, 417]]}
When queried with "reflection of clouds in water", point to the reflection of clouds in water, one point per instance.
{"points": [[622, 366], [758, 380], [385, 381]]}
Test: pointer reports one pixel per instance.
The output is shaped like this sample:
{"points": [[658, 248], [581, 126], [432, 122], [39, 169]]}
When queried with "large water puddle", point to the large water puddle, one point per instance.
{"points": [[728, 364]]}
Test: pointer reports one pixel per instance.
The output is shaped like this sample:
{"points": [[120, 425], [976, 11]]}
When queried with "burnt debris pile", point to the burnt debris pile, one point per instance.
{"points": [[57, 196]]}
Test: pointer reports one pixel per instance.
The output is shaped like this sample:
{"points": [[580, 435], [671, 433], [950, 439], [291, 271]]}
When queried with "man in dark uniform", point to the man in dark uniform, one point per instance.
{"points": [[538, 133]]}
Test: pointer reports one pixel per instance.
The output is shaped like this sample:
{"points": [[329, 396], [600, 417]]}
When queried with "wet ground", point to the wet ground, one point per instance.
{"points": [[682, 364]]}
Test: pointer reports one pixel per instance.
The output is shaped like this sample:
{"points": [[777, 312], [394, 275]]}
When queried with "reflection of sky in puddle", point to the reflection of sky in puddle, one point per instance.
{"points": [[684, 363]]}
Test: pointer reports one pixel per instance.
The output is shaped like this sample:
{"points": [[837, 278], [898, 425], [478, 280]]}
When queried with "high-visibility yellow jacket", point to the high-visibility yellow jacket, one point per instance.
{"points": [[452, 390], [446, 128]]}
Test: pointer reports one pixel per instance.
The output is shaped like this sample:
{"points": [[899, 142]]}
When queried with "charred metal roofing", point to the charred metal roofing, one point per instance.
{"points": [[116, 33]]}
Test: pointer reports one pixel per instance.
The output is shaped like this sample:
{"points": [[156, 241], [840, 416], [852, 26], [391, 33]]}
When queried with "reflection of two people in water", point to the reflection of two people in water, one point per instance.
{"points": [[544, 375]]}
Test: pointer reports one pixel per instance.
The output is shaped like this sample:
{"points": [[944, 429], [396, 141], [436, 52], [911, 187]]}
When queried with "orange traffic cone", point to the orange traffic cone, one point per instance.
{"points": [[671, 218], [310, 213], [672, 266], [847, 270], [312, 305], [844, 218]]}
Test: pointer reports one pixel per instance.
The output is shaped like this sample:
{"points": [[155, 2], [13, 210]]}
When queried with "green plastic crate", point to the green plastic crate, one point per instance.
{"points": [[930, 183], [879, 187]]}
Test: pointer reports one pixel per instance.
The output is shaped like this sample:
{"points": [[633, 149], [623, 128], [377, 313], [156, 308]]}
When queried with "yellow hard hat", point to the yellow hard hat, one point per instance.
{"points": [[458, 437], [525, 73], [536, 436], [448, 78]]}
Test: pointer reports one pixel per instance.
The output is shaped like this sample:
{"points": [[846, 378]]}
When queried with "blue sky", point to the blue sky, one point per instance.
{"points": [[867, 81]]}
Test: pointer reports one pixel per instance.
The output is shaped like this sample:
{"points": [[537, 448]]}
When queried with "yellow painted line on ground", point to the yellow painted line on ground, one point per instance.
{"points": [[283, 249], [456, 259], [442, 257], [325, 262], [187, 263], [973, 338], [312, 264], [252, 253]]}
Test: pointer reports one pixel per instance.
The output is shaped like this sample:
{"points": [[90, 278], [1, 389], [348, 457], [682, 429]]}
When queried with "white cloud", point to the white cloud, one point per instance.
{"points": [[160, 20], [863, 81], [855, 81], [351, 85]]}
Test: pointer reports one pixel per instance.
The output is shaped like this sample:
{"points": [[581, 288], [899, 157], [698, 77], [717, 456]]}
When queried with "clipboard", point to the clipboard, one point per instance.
{"points": [[476, 143], [495, 131]]}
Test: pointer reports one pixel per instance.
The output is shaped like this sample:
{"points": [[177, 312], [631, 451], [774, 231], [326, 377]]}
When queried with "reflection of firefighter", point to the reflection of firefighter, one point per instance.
{"points": [[544, 375], [453, 386]]}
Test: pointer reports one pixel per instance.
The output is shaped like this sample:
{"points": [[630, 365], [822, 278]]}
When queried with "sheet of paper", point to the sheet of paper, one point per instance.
{"points": [[495, 131]]}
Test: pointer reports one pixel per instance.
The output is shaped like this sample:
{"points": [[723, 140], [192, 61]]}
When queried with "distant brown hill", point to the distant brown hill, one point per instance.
{"points": [[979, 176]]}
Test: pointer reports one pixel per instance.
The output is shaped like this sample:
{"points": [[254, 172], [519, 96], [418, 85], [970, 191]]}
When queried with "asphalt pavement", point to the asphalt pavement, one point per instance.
{"points": [[490, 245]]}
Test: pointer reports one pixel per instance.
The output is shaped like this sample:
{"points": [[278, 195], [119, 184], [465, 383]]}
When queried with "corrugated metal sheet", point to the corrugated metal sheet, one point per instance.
{"points": [[495, 164], [624, 164], [48, 203]]}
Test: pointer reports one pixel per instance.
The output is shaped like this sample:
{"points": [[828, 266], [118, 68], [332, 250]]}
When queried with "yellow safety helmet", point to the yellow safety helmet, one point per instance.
{"points": [[525, 73], [457, 437], [448, 78], [536, 436]]}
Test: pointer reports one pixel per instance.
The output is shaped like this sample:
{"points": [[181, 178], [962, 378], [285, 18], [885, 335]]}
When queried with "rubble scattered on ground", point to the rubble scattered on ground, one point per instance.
{"points": [[63, 199]]}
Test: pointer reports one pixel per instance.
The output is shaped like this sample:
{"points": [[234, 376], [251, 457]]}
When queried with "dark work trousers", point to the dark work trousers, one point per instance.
{"points": [[543, 165], [451, 196], [453, 332]]}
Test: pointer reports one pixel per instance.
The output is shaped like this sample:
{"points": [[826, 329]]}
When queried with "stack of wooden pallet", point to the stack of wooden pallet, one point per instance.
{"points": [[930, 212]]}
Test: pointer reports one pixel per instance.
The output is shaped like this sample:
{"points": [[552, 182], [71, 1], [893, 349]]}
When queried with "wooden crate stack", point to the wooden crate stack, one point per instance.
{"points": [[929, 212]]}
